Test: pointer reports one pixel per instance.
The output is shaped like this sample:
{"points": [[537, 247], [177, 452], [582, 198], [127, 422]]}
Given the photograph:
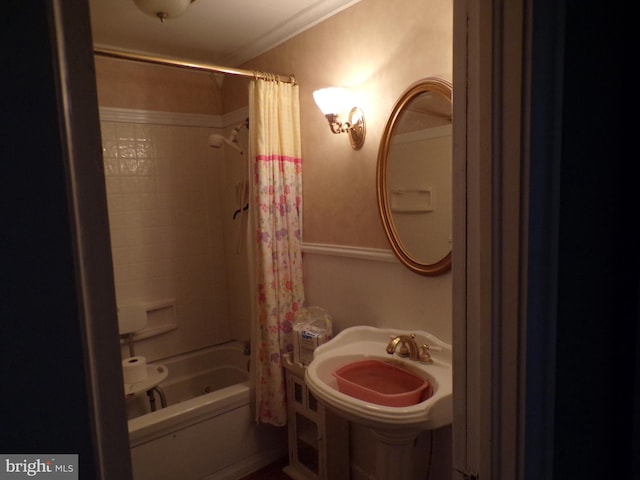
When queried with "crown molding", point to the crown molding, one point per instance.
{"points": [[312, 15]]}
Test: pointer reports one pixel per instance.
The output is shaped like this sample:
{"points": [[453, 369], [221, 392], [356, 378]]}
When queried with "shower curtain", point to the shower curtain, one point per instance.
{"points": [[276, 170]]}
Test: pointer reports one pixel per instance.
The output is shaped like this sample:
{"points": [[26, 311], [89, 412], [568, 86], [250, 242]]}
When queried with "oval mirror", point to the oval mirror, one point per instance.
{"points": [[414, 177]]}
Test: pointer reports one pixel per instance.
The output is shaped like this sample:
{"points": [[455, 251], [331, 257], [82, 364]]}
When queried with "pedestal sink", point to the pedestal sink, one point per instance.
{"points": [[365, 402]]}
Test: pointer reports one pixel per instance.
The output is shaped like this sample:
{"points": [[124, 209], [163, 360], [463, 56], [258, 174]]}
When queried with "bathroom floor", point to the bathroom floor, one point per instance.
{"points": [[270, 472]]}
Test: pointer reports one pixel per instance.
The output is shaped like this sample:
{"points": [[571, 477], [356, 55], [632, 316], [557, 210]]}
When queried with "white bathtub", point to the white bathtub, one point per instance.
{"points": [[207, 431]]}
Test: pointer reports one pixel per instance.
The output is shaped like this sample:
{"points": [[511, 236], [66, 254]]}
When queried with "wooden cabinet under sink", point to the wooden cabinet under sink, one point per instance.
{"points": [[318, 439]]}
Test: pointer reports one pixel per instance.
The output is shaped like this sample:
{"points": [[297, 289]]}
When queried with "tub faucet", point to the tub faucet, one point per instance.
{"points": [[408, 346]]}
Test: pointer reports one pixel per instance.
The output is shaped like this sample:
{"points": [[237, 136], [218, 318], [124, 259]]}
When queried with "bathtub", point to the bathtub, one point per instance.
{"points": [[207, 430]]}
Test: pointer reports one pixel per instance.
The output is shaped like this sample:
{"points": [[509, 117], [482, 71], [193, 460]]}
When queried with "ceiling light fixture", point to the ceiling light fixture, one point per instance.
{"points": [[332, 102], [163, 9]]}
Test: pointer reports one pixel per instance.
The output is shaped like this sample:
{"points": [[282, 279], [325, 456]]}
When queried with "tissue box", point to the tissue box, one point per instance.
{"points": [[305, 342], [312, 327]]}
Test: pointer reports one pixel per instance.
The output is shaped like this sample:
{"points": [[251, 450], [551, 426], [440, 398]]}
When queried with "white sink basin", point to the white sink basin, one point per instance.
{"points": [[357, 344]]}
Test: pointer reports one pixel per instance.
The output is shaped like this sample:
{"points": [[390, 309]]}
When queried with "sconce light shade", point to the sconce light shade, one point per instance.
{"points": [[332, 102], [163, 9]]}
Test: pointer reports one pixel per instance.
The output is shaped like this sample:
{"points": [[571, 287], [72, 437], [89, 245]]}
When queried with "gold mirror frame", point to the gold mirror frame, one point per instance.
{"points": [[436, 85]]}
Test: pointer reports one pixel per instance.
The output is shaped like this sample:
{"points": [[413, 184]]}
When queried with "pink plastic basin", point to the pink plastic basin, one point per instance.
{"points": [[381, 383]]}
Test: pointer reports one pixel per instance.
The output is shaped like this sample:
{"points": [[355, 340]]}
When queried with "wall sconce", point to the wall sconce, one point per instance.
{"points": [[163, 9], [333, 101]]}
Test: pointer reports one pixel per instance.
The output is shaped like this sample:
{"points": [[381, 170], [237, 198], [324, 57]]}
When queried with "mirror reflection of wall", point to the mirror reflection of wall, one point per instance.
{"points": [[414, 177], [418, 182]]}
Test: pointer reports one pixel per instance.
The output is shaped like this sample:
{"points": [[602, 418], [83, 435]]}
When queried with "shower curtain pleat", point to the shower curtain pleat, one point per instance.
{"points": [[276, 169]]}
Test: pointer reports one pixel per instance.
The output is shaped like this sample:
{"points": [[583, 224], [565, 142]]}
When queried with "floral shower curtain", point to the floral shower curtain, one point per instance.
{"points": [[276, 169]]}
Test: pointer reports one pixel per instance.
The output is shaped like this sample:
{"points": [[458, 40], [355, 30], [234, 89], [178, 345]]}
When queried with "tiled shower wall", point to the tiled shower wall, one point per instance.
{"points": [[166, 197]]}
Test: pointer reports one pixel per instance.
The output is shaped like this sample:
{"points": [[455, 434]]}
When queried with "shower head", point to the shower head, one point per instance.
{"points": [[216, 140]]}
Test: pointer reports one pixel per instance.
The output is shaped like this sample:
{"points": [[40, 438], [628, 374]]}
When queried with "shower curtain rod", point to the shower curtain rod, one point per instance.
{"points": [[146, 58]]}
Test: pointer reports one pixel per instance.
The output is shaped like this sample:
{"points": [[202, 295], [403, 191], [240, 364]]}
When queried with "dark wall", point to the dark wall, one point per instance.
{"points": [[43, 379], [57, 308], [582, 334], [597, 310]]}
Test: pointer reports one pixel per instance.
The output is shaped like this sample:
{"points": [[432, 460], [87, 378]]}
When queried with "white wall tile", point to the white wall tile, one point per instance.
{"points": [[166, 229]]}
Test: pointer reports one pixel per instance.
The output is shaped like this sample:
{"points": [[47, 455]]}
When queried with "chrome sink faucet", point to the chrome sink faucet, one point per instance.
{"points": [[409, 348]]}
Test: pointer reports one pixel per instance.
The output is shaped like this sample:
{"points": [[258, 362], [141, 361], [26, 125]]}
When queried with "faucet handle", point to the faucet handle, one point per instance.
{"points": [[423, 355]]}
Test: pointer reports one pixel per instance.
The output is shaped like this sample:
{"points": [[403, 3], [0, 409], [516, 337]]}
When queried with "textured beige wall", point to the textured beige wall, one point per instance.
{"points": [[126, 84], [377, 48]]}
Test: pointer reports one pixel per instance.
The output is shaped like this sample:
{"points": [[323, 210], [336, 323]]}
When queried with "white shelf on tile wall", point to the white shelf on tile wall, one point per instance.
{"points": [[152, 332], [161, 318]]}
